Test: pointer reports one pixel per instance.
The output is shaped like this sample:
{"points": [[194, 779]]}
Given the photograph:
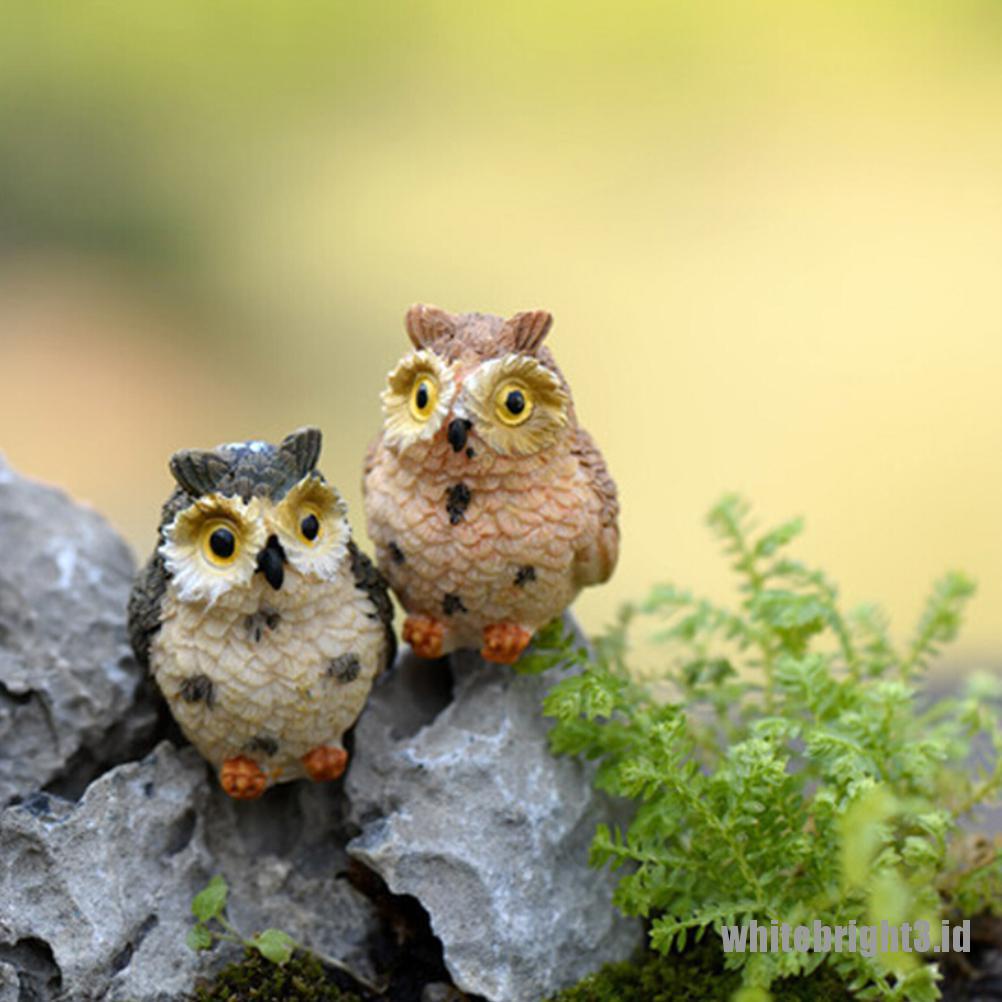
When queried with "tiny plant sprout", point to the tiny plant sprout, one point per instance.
{"points": [[213, 926], [209, 908]]}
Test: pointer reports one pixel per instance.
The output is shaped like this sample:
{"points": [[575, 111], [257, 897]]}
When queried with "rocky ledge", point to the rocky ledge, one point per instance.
{"points": [[453, 816]]}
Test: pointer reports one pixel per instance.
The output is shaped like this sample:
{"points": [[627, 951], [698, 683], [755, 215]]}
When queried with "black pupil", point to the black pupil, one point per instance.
{"points": [[310, 527], [222, 543], [515, 402], [421, 399]]}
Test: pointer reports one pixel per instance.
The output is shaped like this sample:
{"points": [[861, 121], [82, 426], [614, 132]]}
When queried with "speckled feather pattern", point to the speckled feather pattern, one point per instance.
{"points": [[269, 674]]}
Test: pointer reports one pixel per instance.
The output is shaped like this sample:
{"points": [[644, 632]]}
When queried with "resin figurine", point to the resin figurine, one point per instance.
{"points": [[261, 621], [489, 506]]}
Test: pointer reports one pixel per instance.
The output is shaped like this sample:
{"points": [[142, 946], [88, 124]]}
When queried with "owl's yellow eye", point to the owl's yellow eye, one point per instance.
{"points": [[513, 404], [310, 524], [424, 397], [219, 543]]}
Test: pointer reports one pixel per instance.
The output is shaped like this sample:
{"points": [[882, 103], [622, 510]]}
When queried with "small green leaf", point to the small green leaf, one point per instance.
{"points": [[274, 945], [751, 994], [199, 938], [552, 645], [920, 984], [211, 900], [779, 537]]}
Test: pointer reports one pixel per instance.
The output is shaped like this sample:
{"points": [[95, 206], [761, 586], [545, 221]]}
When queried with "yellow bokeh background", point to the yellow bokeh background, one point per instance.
{"points": [[770, 234]]}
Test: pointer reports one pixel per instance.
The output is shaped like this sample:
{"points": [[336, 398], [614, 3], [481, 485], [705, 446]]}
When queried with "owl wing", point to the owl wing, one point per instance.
{"points": [[370, 457], [596, 557], [148, 589], [144, 607], [369, 580]]}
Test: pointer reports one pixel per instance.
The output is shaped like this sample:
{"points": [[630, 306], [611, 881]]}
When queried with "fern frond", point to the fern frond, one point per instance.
{"points": [[793, 774], [939, 622]]}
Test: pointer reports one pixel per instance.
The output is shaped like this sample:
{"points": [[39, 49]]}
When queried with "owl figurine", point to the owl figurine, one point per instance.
{"points": [[489, 505], [261, 621]]}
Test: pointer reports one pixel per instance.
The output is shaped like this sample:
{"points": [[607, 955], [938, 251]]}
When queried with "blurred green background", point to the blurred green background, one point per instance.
{"points": [[770, 234]]}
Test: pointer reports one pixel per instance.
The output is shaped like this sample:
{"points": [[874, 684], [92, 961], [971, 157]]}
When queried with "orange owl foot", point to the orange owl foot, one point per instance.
{"points": [[424, 634], [325, 763], [242, 779], [504, 642]]}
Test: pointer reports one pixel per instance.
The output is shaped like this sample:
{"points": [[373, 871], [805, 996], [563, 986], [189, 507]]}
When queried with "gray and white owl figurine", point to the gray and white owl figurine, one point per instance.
{"points": [[262, 622], [490, 507]]}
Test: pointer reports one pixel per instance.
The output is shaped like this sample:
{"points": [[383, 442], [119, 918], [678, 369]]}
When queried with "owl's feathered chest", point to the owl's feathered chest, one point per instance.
{"points": [[260, 669], [457, 503], [494, 538]]}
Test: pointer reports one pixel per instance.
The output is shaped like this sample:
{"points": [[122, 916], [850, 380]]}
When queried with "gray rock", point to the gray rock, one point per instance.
{"points": [[9, 987], [71, 696], [462, 805], [95, 897], [284, 858], [459, 803], [93, 892]]}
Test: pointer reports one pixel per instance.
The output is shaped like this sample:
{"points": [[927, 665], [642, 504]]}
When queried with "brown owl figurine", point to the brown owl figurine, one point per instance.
{"points": [[489, 505]]}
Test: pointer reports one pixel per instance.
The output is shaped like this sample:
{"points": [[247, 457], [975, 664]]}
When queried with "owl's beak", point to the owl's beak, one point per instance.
{"points": [[459, 428], [271, 562]]}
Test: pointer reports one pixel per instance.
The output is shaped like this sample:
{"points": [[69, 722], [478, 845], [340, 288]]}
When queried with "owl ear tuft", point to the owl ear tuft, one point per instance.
{"points": [[302, 448], [527, 330], [198, 471], [426, 324]]}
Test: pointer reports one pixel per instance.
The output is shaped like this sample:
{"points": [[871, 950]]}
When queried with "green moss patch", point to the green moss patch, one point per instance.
{"points": [[697, 975], [255, 979]]}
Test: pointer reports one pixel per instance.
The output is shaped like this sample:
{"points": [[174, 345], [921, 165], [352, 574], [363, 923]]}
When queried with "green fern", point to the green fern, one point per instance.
{"points": [[781, 765]]}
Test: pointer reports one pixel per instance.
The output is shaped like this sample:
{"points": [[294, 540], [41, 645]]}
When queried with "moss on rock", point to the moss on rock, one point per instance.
{"points": [[255, 979], [696, 975]]}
